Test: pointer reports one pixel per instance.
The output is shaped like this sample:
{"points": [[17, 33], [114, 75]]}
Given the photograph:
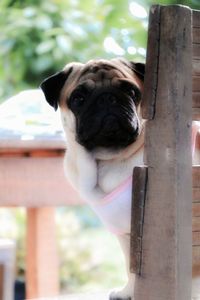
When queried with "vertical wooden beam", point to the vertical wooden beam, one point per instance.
{"points": [[151, 74], [137, 219], [167, 239], [41, 253], [196, 64], [196, 210]]}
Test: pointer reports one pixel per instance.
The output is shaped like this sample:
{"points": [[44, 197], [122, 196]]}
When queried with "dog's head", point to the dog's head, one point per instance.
{"points": [[99, 101]]}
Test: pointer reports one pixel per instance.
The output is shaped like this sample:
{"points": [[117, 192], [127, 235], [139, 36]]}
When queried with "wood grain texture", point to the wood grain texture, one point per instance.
{"points": [[195, 195], [196, 51], [167, 239], [196, 261], [196, 176], [196, 18], [196, 35], [196, 114], [196, 84], [196, 238], [196, 209], [196, 67], [196, 223], [196, 99], [151, 73], [137, 217]]}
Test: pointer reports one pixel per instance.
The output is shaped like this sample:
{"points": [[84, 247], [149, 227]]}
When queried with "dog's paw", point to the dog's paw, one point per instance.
{"points": [[120, 295]]}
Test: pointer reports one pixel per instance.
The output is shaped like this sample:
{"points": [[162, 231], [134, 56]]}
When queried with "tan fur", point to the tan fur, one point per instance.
{"points": [[95, 174]]}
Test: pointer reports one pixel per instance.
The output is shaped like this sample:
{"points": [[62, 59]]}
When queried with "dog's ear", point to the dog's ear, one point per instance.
{"points": [[139, 69], [52, 86]]}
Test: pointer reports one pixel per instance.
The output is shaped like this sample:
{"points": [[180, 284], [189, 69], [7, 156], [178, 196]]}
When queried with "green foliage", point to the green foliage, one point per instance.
{"points": [[40, 37], [87, 252]]}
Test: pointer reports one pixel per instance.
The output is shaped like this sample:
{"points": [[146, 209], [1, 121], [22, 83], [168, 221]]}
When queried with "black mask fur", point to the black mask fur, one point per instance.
{"points": [[108, 118]]}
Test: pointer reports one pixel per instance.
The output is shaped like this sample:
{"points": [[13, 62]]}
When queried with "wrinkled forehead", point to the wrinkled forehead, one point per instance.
{"points": [[100, 70], [97, 73]]}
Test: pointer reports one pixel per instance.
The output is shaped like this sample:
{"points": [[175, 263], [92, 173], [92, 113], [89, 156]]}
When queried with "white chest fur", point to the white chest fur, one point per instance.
{"points": [[112, 173], [94, 178]]}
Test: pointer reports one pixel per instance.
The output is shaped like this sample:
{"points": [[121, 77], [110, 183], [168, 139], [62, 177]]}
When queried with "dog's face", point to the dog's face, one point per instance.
{"points": [[99, 102]]}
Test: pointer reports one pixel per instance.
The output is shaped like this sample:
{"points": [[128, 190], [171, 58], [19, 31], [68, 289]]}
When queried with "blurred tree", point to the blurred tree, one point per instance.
{"points": [[40, 37]]}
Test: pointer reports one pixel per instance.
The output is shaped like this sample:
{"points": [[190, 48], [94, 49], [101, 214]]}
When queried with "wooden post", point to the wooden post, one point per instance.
{"points": [[41, 254], [196, 64], [167, 229], [137, 213]]}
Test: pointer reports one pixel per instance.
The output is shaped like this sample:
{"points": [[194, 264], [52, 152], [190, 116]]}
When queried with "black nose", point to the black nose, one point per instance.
{"points": [[106, 98], [110, 125]]}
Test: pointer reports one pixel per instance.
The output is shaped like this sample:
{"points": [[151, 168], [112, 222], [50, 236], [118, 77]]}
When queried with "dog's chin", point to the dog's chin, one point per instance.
{"points": [[109, 144], [101, 153], [106, 149]]}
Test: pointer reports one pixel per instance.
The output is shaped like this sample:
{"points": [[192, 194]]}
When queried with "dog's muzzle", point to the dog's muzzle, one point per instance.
{"points": [[109, 120]]}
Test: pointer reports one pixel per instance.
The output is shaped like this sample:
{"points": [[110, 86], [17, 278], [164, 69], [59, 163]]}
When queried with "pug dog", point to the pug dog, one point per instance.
{"points": [[100, 106]]}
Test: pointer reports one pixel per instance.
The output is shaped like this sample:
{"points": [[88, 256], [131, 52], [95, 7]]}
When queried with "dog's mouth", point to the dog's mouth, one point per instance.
{"points": [[110, 134], [112, 143]]}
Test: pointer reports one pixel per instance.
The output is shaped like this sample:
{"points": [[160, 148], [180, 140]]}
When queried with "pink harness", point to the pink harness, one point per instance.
{"points": [[114, 209]]}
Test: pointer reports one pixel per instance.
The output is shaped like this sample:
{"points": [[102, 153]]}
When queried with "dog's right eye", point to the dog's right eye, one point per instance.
{"points": [[76, 100]]}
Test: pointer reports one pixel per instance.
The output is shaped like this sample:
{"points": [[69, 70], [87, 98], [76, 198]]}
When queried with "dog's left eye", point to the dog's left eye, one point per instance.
{"points": [[131, 90], [131, 93]]}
